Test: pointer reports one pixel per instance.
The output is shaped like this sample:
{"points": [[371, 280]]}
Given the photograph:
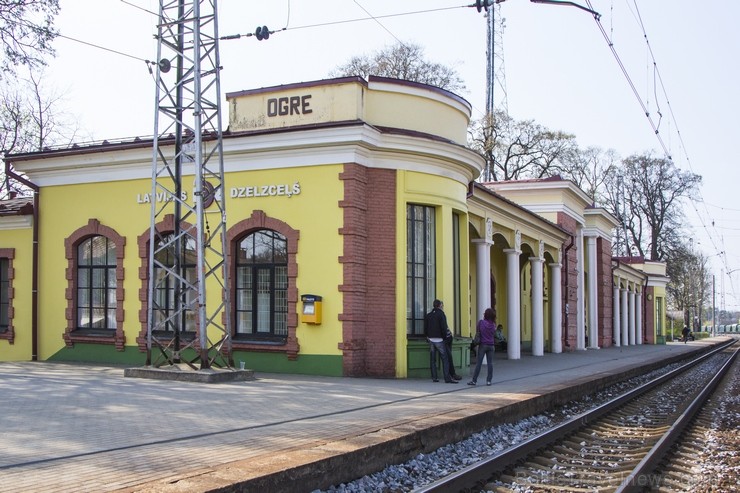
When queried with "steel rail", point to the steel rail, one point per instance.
{"points": [[640, 476], [464, 478]]}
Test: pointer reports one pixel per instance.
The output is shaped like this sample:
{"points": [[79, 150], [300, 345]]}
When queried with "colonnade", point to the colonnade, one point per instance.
{"points": [[513, 296], [627, 321], [627, 297]]}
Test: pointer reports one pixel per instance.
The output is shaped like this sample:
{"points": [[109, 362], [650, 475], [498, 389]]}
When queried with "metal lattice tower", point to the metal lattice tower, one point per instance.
{"points": [[495, 71], [495, 76], [187, 241]]}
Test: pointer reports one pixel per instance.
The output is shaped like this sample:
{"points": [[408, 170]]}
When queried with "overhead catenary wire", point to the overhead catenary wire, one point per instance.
{"points": [[655, 126], [678, 132]]}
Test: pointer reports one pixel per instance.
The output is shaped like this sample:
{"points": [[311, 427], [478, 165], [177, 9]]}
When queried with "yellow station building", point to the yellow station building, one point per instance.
{"points": [[358, 194]]}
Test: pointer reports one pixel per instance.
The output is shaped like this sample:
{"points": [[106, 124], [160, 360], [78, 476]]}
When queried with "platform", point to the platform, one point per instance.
{"points": [[76, 428]]}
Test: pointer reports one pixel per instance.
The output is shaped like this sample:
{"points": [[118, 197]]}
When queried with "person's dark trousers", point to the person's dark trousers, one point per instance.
{"points": [[486, 351], [450, 361], [441, 348]]}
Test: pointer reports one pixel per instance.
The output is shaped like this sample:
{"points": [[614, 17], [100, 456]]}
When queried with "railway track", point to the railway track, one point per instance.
{"points": [[707, 458], [614, 447]]}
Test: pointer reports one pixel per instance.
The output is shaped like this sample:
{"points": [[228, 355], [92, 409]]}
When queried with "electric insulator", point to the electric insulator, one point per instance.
{"points": [[262, 32], [483, 4]]}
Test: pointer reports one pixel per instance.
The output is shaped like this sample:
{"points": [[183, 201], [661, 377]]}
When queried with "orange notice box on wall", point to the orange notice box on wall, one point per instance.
{"points": [[311, 313]]}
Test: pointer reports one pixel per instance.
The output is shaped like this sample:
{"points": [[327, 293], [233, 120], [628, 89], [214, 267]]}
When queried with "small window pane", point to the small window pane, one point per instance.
{"points": [[99, 250], [280, 252], [244, 323], [83, 318], [262, 248], [84, 252], [111, 319]]}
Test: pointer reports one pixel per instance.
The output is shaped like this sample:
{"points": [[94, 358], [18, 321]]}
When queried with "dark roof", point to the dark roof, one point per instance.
{"points": [[482, 186], [22, 206]]}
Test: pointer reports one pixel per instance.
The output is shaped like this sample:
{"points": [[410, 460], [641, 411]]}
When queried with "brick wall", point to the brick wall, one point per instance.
{"points": [[369, 268], [605, 292], [570, 282]]}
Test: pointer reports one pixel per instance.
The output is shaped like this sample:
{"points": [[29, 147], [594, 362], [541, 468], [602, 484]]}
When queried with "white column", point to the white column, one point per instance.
{"points": [[483, 276], [538, 306], [638, 317], [616, 323], [580, 293], [556, 309], [631, 319], [513, 303], [593, 300], [625, 317]]}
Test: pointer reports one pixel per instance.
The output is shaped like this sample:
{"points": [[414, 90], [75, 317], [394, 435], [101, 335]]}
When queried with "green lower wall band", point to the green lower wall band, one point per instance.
{"points": [[259, 362]]}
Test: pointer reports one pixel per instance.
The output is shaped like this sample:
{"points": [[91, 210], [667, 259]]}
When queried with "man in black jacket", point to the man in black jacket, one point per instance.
{"points": [[435, 329]]}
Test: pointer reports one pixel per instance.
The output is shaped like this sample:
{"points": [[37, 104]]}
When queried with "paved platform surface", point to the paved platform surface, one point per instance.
{"points": [[78, 428]]}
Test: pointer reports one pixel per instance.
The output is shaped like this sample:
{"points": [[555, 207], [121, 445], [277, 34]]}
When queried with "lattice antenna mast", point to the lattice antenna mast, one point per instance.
{"points": [[495, 71], [187, 241], [495, 76]]}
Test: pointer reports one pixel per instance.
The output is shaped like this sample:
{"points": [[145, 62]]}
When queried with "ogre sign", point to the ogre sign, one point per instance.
{"points": [[289, 105]]}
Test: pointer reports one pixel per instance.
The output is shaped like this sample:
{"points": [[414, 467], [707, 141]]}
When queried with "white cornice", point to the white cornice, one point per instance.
{"points": [[360, 144], [529, 185], [554, 208], [596, 232], [8, 223]]}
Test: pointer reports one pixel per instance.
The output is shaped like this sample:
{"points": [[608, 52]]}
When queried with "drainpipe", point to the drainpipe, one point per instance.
{"points": [[565, 291], [34, 260]]}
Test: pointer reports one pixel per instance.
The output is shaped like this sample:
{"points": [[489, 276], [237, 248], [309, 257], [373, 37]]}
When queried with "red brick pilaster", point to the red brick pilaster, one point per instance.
{"points": [[605, 292], [570, 282], [369, 247]]}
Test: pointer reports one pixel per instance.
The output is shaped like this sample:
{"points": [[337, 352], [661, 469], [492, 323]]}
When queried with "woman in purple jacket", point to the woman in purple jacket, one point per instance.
{"points": [[485, 334]]}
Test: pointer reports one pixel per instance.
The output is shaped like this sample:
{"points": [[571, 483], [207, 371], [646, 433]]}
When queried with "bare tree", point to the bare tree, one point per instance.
{"points": [[402, 61], [31, 120], [690, 286], [520, 149], [49, 125], [590, 169], [26, 32], [645, 195]]}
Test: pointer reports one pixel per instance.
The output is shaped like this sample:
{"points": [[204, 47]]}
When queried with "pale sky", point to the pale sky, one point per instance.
{"points": [[560, 72]]}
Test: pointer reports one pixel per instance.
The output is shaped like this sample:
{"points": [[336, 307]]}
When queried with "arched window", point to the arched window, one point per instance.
{"points": [[96, 284], [261, 283], [169, 294]]}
